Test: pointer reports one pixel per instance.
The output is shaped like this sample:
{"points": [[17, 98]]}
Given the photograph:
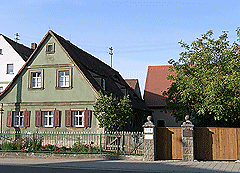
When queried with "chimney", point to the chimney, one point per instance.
{"points": [[33, 45]]}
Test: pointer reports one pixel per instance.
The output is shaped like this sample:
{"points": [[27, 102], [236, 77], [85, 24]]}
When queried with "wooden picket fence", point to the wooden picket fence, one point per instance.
{"points": [[210, 143]]}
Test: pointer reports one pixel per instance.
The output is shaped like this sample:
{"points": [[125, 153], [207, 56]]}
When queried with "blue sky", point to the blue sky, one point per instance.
{"points": [[142, 33]]}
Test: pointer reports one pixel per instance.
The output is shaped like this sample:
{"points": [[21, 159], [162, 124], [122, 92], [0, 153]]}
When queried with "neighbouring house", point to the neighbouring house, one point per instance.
{"points": [[12, 57], [134, 84], [57, 87], [156, 84]]}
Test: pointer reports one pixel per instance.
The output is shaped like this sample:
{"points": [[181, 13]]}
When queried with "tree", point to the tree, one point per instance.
{"points": [[206, 83], [113, 113]]}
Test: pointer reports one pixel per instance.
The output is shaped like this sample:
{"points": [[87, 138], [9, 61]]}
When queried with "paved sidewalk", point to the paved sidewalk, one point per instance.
{"points": [[121, 165]]}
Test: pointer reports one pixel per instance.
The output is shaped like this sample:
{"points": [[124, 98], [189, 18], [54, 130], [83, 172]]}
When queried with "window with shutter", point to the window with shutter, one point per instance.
{"points": [[38, 119], [18, 118], [68, 118], [47, 118], [56, 118], [87, 118], [26, 119], [78, 118], [9, 118]]}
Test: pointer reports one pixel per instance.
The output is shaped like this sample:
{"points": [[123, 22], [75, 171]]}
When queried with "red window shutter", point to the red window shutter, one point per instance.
{"points": [[38, 119], [26, 119], [68, 118], [56, 118], [9, 118], [87, 118]]}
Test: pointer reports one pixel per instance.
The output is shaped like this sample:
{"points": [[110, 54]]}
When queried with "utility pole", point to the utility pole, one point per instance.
{"points": [[111, 54]]}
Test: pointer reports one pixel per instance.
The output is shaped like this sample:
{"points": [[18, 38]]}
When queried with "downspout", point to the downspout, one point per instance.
{"points": [[1, 112]]}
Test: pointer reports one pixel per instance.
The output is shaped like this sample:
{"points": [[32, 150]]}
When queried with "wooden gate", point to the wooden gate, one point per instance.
{"points": [[169, 142]]}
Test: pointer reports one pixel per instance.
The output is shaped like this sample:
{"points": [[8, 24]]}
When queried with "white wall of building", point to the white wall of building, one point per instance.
{"points": [[8, 56]]}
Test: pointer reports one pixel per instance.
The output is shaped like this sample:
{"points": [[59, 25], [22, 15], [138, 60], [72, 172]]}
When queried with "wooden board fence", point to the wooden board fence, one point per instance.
{"points": [[211, 143]]}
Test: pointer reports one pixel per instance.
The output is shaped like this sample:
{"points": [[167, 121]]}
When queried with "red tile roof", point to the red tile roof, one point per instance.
{"points": [[156, 84]]}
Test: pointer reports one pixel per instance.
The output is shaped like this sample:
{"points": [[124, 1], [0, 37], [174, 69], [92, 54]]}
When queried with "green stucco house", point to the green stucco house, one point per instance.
{"points": [[57, 87]]}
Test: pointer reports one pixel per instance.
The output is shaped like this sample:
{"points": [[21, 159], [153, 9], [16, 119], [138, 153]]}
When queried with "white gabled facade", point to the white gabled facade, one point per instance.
{"points": [[10, 61]]}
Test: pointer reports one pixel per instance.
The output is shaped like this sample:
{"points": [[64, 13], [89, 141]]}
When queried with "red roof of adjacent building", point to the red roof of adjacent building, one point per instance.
{"points": [[156, 84]]}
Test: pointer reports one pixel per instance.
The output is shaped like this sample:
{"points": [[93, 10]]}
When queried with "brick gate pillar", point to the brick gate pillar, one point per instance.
{"points": [[187, 140], [149, 141]]}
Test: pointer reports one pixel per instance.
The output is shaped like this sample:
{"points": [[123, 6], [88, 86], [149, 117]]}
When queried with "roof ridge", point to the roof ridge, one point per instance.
{"points": [[15, 41], [21, 49], [84, 51]]}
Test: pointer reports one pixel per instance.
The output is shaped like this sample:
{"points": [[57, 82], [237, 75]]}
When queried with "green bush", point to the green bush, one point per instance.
{"points": [[48, 147], [6, 146], [78, 147]]}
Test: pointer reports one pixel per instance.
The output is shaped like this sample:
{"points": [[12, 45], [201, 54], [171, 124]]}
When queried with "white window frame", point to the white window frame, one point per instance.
{"points": [[38, 84], [18, 118], [36, 81], [47, 118], [67, 84], [76, 115], [64, 79], [8, 72]]}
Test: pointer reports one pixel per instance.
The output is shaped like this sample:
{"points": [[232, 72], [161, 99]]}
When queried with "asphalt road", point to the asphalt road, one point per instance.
{"points": [[18, 165], [31, 169]]}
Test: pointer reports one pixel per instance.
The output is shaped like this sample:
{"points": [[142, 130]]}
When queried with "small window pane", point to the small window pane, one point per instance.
{"points": [[50, 48], [0, 51], [63, 78], [9, 68], [18, 119], [1, 89], [36, 80], [47, 118], [103, 84], [78, 118]]}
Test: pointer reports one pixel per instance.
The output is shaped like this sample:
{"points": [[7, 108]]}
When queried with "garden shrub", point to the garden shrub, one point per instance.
{"points": [[78, 147]]}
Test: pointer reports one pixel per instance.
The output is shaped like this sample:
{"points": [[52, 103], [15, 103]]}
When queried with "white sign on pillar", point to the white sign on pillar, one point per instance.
{"points": [[148, 130], [148, 136]]}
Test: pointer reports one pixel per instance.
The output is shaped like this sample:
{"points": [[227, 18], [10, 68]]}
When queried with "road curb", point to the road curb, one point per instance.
{"points": [[70, 156]]}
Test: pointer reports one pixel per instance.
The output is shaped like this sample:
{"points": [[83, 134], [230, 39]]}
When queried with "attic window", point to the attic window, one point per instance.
{"points": [[50, 48], [104, 84]]}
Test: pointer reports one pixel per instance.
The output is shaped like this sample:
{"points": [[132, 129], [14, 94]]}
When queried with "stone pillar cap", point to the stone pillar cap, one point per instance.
{"points": [[149, 123], [187, 122]]}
